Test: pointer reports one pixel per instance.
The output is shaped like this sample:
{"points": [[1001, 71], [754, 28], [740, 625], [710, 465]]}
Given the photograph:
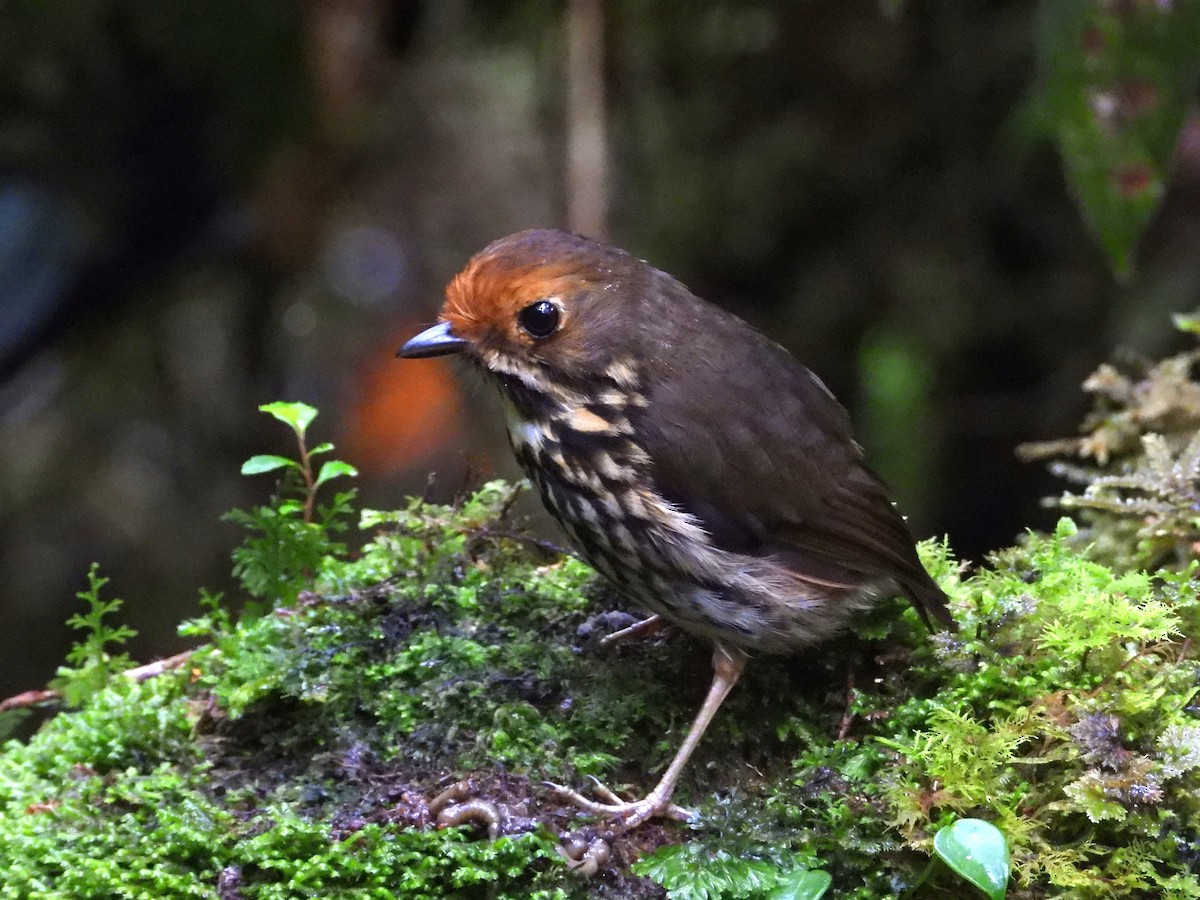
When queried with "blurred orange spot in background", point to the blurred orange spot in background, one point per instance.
{"points": [[404, 413]]}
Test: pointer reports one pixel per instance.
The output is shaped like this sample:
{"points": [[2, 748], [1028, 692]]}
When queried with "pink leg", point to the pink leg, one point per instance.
{"points": [[727, 668]]}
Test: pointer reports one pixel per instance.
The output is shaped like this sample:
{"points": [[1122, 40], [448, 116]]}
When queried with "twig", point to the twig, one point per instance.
{"points": [[139, 674], [151, 670], [27, 699]]}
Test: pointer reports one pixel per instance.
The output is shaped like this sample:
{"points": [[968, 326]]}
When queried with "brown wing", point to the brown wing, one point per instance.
{"points": [[761, 452]]}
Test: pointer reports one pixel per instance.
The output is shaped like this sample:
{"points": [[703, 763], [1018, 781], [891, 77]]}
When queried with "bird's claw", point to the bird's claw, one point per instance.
{"points": [[644, 628], [627, 814], [602, 789]]}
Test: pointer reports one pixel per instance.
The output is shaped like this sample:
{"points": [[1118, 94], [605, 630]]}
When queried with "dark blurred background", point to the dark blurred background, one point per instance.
{"points": [[205, 206]]}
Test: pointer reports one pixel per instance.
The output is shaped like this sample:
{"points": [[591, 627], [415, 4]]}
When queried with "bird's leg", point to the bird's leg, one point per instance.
{"points": [[646, 627], [727, 668]]}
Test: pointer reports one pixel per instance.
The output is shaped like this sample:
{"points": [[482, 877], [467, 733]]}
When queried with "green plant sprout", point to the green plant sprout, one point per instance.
{"points": [[91, 662], [291, 539], [299, 416]]}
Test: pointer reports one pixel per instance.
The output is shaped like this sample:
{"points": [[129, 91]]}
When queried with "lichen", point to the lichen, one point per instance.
{"points": [[1136, 463]]}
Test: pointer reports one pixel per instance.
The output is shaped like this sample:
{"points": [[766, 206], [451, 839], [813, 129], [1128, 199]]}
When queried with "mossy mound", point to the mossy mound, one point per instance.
{"points": [[298, 753]]}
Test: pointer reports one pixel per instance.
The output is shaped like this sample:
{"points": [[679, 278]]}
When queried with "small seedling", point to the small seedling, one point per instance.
{"points": [[299, 416], [291, 538], [92, 662]]}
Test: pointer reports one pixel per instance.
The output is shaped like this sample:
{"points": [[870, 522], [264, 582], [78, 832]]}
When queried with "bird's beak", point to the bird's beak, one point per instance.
{"points": [[434, 341]]}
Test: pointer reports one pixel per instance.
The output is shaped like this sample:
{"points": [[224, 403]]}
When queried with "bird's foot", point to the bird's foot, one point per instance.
{"points": [[647, 627], [625, 814]]}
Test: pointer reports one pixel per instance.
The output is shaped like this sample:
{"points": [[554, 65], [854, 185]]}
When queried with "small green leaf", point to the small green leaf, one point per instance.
{"points": [[266, 462], [1066, 528], [297, 415], [320, 448], [333, 469], [978, 852], [803, 884]]}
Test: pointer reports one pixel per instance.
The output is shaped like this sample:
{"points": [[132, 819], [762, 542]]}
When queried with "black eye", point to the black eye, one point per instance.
{"points": [[539, 319]]}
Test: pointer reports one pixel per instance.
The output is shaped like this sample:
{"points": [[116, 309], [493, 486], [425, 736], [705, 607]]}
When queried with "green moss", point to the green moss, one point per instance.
{"points": [[1054, 708], [297, 753], [118, 799]]}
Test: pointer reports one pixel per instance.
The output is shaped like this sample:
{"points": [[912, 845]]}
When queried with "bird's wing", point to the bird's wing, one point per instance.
{"points": [[761, 453]]}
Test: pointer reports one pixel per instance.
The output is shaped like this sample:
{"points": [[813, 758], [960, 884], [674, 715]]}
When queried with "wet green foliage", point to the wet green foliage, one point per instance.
{"points": [[1058, 701], [978, 852], [299, 752], [693, 872], [1118, 81]]}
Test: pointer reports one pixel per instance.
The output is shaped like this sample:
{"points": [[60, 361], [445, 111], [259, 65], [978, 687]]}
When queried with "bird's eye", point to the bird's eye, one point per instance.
{"points": [[540, 319]]}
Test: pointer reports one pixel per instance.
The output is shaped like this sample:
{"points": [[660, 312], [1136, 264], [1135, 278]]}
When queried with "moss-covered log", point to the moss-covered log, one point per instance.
{"points": [[302, 752]]}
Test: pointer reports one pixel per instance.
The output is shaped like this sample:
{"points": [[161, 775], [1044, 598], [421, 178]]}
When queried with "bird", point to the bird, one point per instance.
{"points": [[712, 478]]}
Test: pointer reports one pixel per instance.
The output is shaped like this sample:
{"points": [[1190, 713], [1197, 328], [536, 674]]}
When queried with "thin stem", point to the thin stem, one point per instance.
{"points": [[310, 490]]}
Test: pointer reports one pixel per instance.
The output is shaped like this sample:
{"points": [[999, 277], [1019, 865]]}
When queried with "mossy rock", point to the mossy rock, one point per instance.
{"points": [[297, 753]]}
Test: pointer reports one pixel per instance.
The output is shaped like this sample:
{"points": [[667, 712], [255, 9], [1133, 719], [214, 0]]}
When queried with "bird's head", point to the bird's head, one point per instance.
{"points": [[537, 304]]}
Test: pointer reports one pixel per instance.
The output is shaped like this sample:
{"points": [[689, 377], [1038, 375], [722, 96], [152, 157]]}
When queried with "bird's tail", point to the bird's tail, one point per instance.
{"points": [[930, 601]]}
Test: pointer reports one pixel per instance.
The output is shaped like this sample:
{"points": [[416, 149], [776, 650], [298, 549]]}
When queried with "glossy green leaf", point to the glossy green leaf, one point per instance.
{"points": [[266, 462], [978, 852], [298, 415], [1117, 82], [333, 469], [804, 884]]}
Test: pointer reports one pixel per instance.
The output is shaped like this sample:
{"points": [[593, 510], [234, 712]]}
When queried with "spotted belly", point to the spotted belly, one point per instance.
{"points": [[588, 472], [604, 539], [597, 485]]}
